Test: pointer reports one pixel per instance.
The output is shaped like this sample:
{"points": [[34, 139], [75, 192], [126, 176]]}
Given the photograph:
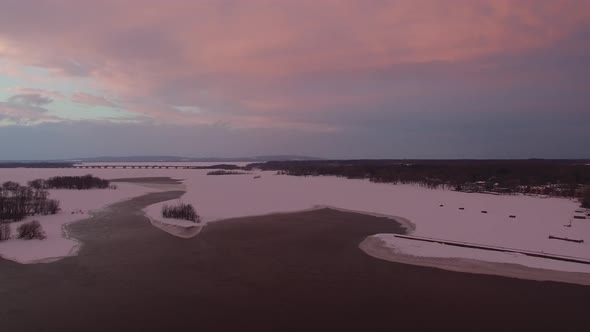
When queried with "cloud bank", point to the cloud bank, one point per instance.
{"points": [[353, 70]]}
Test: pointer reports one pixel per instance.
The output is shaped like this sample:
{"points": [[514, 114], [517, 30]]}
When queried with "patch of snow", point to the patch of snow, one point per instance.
{"points": [[185, 229]]}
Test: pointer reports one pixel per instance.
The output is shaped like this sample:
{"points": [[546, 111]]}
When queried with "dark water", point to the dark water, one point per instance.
{"points": [[300, 271]]}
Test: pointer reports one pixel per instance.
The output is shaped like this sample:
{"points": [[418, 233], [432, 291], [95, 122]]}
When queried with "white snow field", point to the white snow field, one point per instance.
{"points": [[229, 196]]}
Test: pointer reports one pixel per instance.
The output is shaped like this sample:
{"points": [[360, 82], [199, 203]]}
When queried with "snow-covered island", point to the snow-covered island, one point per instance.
{"points": [[179, 219]]}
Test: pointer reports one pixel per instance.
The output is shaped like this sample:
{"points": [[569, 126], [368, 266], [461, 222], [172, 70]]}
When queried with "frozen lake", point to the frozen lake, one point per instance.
{"points": [[440, 214]]}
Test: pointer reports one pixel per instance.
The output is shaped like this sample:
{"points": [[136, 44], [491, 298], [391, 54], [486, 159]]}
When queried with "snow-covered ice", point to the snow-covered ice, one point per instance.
{"points": [[439, 250], [222, 197]]}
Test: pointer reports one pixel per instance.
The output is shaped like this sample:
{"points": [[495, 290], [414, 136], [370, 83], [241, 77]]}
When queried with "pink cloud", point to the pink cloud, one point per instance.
{"points": [[249, 61]]}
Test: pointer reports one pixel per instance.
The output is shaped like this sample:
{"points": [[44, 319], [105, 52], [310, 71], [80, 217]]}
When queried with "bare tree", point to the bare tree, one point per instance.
{"points": [[5, 232], [17, 202]]}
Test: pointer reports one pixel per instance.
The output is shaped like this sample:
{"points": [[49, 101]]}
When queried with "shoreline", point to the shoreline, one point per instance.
{"points": [[180, 230], [376, 248], [42, 247], [403, 222]]}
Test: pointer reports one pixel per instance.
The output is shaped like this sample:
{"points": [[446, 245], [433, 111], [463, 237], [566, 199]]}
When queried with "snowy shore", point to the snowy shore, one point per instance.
{"points": [[478, 262], [76, 205]]}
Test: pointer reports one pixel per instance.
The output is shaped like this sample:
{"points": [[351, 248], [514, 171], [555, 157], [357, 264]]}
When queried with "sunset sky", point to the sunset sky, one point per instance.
{"points": [[326, 78]]}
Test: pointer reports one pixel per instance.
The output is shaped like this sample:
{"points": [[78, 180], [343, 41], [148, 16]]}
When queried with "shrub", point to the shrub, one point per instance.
{"points": [[30, 230], [181, 211], [5, 232]]}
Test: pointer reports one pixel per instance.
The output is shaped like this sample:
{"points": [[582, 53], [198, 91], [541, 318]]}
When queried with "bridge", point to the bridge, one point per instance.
{"points": [[137, 166]]}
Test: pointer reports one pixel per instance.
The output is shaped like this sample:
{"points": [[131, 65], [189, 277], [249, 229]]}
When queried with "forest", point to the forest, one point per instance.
{"points": [[70, 182], [569, 178]]}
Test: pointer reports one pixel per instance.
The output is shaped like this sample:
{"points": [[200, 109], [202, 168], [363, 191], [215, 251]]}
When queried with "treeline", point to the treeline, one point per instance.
{"points": [[70, 182], [222, 172], [17, 202], [218, 166], [549, 177], [36, 164]]}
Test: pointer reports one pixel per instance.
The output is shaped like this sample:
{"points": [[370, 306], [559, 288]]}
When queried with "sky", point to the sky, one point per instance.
{"points": [[325, 78]]}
